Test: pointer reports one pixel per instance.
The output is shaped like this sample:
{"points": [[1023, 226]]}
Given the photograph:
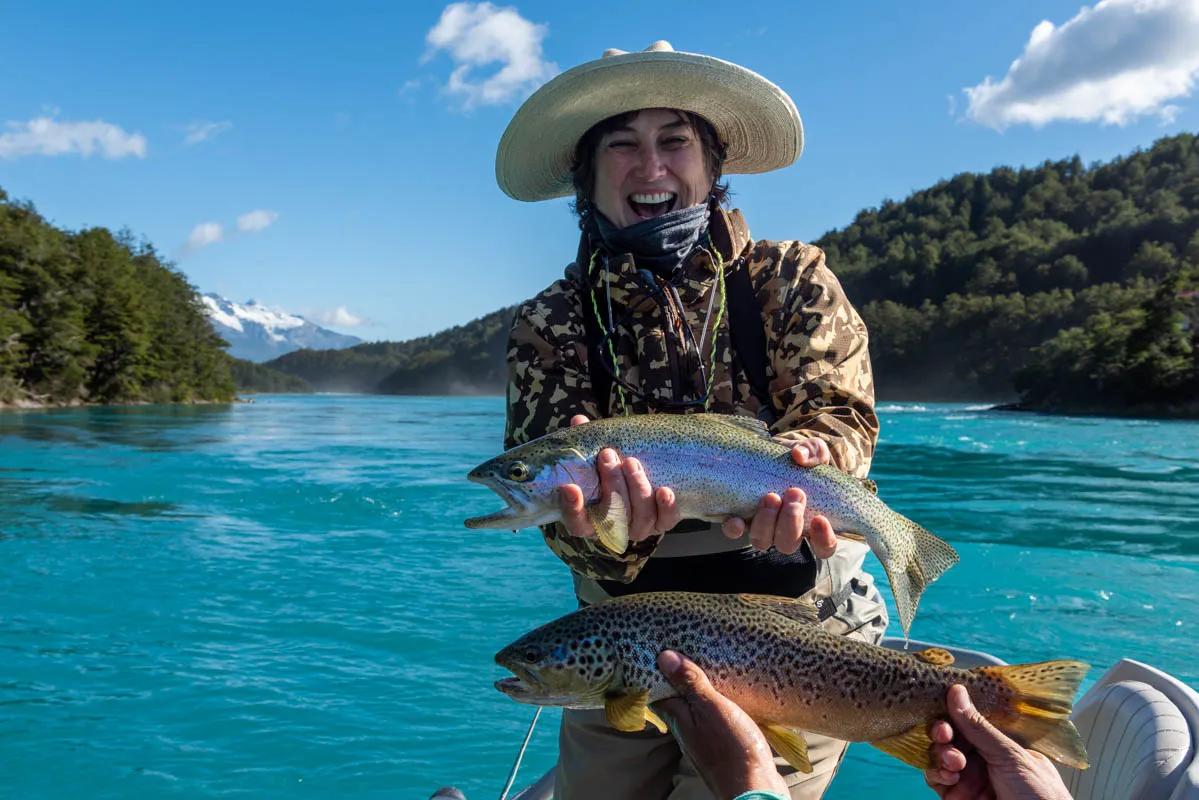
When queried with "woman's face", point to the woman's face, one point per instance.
{"points": [[653, 165]]}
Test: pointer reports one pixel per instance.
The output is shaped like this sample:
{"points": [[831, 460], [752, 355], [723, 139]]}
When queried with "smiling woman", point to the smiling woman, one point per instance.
{"points": [[667, 159], [672, 307]]}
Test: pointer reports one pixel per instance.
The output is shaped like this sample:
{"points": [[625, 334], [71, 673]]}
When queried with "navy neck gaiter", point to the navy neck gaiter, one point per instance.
{"points": [[659, 244]]}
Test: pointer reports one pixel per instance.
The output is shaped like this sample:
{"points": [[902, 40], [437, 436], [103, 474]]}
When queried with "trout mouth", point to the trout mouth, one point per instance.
{"points": [[525, 688], [514, 687], [519, 513]]}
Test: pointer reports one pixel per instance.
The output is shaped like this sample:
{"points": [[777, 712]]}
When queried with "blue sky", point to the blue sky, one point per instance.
{"points": [[374, 185]]}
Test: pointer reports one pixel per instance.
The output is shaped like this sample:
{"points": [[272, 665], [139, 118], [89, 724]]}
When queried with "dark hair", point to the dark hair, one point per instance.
{"points": [[582, 171]]}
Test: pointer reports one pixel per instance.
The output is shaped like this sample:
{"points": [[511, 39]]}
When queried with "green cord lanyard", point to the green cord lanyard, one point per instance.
{"points": [[721, 312]]}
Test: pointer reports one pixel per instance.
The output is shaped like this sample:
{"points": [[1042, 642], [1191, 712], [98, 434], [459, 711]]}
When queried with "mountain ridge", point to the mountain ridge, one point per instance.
{"points": [[258, 333]]}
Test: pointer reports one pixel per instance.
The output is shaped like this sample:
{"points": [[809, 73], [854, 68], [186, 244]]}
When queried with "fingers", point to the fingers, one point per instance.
{"points": [[668, 510], [611, 476], [684, 674], [940, 732], [570, 497], [761, 527], [788, 528], [733, 527], [579, 419], [948, 758], [974, 727], [822, 538], [643, 510], [811, 452], [779, 523]]}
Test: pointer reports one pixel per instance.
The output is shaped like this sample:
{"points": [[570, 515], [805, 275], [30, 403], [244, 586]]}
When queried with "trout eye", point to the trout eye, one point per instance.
{"points": [[532, 655], [518, 471]]}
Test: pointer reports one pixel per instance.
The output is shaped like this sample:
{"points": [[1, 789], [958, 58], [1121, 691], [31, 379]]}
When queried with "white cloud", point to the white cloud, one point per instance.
{"points": [[339, 317], [46, 136], [204, 234], [480, 34], [1112, 63], [256, 220], [203, 131]]}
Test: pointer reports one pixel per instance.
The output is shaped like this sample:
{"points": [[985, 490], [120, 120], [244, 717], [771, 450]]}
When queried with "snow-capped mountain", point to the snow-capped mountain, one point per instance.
{"points": [[258, 333]]}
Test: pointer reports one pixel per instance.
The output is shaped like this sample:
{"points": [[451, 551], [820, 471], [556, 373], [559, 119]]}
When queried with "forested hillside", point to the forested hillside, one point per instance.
{"points": [[90, 317], [1072, 286], [253, 378], [465, 359]]}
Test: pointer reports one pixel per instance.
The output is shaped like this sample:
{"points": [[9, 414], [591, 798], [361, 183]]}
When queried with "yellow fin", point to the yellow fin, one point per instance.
{"points": [[911, 747], [626, 712], [790, 745], [793, 608], [1044, 697], [851, 536], [656, 721], [937, 656], [611, 522]]}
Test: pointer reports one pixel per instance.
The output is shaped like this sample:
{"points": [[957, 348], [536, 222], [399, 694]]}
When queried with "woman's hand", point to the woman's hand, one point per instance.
{"points": [[651, 510], [987, 763], [779, 520]]}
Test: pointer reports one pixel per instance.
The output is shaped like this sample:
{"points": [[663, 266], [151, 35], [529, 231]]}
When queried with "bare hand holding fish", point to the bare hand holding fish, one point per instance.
{"points": [[717, 466], [770, 656], [777, 522]]}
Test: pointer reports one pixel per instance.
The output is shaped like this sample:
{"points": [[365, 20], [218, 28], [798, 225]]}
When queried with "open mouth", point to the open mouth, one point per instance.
{"points": [[509, 517], [512, 686], [648, 205]]}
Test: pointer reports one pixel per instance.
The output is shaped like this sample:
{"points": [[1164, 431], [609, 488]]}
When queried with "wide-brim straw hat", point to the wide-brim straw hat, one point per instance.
{"points": [[755, 119]]}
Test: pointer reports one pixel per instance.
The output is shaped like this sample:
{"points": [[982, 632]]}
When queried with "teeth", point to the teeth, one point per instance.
{"points": [[656, 197]]}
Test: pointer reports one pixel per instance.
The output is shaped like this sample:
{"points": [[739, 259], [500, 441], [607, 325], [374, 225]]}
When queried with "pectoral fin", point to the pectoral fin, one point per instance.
{"points": [[656, 721], [628, 712], [611, 523], [790, 745], [935, 655], [911, 747]]}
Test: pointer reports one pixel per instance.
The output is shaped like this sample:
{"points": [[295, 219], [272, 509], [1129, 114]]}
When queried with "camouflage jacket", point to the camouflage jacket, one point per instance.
{"points": [[818, 365]]}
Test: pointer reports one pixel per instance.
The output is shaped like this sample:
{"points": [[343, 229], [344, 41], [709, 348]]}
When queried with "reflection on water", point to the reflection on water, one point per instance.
{"points": [[153, 427], [278, 597]]}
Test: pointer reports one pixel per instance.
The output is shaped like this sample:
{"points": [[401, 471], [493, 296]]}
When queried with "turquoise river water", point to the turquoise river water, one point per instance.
{"points": [[279, 599]]}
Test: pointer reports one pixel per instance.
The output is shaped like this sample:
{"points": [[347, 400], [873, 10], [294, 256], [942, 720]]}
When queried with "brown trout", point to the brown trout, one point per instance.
{"points": [[771, 657], [719, 466]]}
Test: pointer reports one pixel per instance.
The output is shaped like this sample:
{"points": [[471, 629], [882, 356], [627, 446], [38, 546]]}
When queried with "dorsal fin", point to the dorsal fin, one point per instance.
{"points": [[751, 424], [793, 608], [937, 656], [870, 485]]}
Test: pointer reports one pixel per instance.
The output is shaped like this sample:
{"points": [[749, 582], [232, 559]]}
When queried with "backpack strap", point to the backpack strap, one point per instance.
{"points": [[731, 235], [748, 335]]}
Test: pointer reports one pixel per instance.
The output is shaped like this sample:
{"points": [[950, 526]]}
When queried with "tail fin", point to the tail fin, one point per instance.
{"points": [[929, 557], [1039, 715]]}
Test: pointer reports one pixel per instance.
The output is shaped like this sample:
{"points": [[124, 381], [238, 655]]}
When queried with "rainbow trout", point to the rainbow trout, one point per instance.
{"points": [[719, 466], [771, 657]]}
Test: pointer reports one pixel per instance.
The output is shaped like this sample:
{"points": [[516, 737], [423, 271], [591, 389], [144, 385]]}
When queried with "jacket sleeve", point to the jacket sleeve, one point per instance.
{"points": [[548, 383], [823, 386]]}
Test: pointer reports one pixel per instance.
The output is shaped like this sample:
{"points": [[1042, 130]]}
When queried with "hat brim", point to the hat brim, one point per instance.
{"points": [[755, 119]]}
